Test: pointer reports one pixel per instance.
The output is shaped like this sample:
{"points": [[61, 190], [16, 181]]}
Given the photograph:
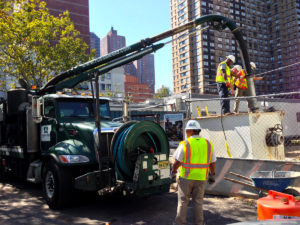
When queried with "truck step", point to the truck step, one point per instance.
{"points": [[34, 174]]}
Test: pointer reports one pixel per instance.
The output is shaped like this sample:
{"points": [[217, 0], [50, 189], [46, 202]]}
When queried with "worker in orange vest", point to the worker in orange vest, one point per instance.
{"points": [[241, 83], [196, 159]]}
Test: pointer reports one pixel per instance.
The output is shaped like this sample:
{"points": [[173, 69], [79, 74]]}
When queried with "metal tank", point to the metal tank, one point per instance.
{"points": [[15, 98], [249, 135]]}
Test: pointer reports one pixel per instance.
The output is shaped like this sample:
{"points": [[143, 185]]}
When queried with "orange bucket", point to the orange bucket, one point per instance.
{"points": [[277, 203]]}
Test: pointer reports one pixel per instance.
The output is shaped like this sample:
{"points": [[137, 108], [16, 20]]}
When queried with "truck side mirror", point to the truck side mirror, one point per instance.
{"points": [[37, 104]]}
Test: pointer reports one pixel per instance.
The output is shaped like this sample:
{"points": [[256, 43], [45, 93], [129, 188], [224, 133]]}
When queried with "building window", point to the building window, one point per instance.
{"points": [[181, 17], [180, 12], [183, 61], [182, 49], [183, 74], [183, 68], [183, 55], [182, 43], [181, 5]]}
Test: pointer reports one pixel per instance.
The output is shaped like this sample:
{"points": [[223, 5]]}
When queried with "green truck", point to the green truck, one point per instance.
{"points": [[68, 142], [58, 146]]}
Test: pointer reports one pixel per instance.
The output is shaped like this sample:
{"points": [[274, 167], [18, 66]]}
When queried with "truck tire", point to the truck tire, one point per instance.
{"points": [[57, 185]]}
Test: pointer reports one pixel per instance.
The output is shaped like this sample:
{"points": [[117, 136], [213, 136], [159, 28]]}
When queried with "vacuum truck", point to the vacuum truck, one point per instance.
{"points": [[68, 142]]}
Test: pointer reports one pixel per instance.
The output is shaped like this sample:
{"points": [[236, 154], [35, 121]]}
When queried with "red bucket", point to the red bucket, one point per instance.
{"points": [[277, 203]]}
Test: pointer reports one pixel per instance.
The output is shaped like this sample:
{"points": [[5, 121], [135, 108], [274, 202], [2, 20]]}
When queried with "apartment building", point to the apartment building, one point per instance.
{"points": [[270, 28]]}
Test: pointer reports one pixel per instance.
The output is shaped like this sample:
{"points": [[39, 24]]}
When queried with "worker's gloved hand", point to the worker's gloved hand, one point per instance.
{"points": [[173, 174], [211, 179], [227, 84]]}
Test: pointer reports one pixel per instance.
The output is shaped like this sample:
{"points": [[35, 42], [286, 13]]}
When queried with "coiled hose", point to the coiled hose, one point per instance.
{"points": [[134, 138]]}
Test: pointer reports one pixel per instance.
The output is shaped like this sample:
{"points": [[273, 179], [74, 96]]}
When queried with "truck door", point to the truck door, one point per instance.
{"points": [[48, 126]]}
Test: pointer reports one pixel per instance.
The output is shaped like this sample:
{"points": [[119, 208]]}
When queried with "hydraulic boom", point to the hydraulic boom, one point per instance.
{"points": [[103, 64]]}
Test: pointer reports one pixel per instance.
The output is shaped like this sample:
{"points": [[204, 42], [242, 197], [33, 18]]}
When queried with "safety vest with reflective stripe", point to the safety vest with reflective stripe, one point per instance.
{"points": [[242, 82], [197, 158], [219, 77]]}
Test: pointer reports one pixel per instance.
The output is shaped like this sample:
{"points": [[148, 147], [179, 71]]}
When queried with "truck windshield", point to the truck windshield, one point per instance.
{"points": [[82, 109]]}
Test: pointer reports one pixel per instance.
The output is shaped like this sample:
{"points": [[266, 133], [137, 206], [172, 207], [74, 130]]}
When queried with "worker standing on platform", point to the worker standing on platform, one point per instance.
{"points": [[196, 159], [224, 83], [241, 83]]}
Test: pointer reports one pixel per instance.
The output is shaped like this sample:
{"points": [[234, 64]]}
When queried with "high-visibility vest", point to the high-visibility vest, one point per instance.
{"points": [[197, 158], [219, 77], [241, 82]]}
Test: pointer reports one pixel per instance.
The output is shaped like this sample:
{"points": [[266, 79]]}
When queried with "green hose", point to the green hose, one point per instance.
{"points": [[134, 138]]}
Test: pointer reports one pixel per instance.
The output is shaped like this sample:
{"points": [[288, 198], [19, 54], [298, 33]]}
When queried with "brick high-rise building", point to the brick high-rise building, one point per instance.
{"points": [[111, 42], [270, 28], [79, 14], [95, 43]]}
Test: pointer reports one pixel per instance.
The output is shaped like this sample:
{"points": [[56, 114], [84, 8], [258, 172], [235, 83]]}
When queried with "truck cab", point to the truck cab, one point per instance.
{"points": [[70, 119]]}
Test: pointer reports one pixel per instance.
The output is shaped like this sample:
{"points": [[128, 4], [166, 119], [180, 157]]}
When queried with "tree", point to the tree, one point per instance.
{"points": [[163, 92], [35, 45]]}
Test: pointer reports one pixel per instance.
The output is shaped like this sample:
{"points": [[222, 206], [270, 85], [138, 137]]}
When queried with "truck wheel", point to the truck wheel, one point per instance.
{"points": [[57, 185]]}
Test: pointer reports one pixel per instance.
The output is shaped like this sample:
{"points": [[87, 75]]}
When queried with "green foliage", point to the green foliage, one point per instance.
{"points": [[162, 92], [35, 45]]}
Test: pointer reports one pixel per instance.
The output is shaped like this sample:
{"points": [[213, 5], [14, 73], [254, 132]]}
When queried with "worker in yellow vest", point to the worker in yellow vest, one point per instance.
{"points": [[196, 159], [241, 83], [224, 82]]}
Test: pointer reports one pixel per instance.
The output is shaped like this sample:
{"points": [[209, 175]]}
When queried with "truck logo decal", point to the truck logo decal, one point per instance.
{"points": [[45, 132]]}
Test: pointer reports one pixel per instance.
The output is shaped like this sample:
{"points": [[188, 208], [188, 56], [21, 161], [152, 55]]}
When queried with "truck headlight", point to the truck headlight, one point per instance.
{"points": [[73, 159]]}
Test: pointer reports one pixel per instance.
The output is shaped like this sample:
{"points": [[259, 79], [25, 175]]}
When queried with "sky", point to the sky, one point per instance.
{"points": [[136, 20]]}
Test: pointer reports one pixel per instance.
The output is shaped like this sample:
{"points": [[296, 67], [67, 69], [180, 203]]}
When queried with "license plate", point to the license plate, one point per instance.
{"points": [[163, 164]]}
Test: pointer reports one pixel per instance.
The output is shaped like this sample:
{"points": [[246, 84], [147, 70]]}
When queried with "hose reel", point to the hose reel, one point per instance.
{"points": [[133, 139]]}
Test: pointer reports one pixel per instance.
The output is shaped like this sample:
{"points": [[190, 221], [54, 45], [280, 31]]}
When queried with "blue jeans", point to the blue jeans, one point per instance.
{"points": [[224, 93]]}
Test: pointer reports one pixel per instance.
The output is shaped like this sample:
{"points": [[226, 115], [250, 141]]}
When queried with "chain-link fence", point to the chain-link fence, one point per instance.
{"points": [[271, 133]]}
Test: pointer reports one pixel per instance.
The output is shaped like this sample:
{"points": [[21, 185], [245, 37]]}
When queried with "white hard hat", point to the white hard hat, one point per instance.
{"points": [[253, 66], [231, 57], [238, 67], [192, 125]]}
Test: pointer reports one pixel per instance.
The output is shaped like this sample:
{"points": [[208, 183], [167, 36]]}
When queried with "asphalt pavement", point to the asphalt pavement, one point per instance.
{"points": [[22, 203]]}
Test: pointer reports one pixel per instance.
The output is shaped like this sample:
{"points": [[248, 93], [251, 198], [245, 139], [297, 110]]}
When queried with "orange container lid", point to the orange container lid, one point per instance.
{"points": [[277, 203], [279, 200]]}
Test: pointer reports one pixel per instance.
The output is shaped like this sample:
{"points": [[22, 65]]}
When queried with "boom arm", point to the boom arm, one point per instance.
{"points": [[73, 81], [80, 73]]}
